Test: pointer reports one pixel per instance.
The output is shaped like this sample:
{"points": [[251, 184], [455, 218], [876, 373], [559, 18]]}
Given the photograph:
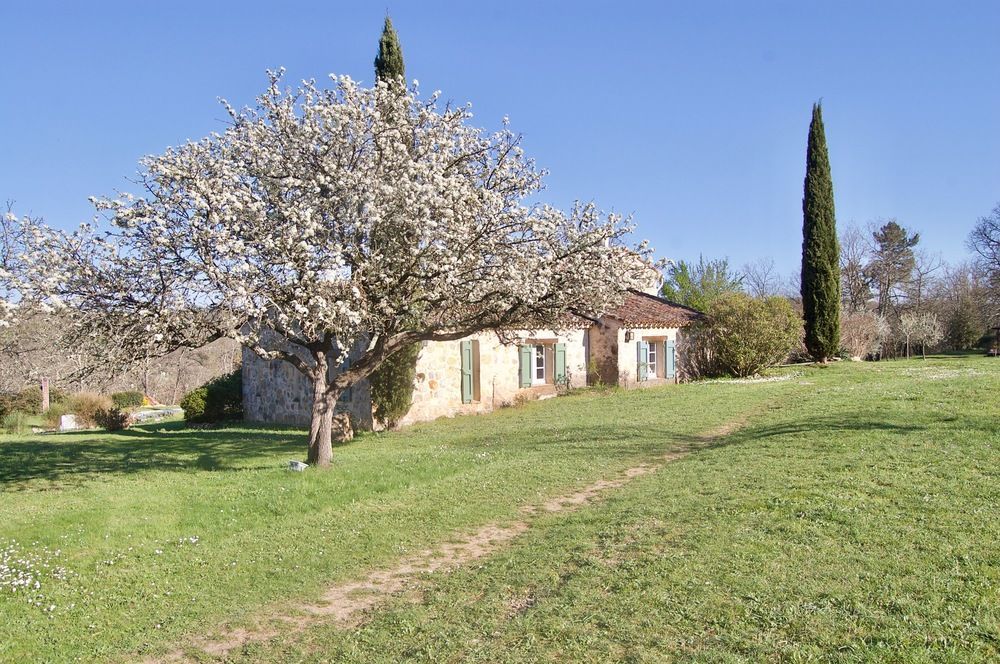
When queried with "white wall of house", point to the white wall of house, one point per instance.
{"points": [[628, 354], [496, 377]]}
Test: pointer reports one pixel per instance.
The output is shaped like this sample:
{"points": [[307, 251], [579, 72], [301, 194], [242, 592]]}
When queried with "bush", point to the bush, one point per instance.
{"points": [[53, 415], [193, 404], [127, 399], [862, 334], [752, 334], [219, 399], [392, 386], [742, 337], [29, 400], [85, 406], [15, 422], [113, 419]]}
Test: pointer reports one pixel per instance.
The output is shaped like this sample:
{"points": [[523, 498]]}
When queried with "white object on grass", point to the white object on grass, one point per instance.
{"points": [[297, 466]]}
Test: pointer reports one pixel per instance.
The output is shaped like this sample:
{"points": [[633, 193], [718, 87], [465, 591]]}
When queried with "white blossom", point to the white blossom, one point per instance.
{"points": [[325, 218]]}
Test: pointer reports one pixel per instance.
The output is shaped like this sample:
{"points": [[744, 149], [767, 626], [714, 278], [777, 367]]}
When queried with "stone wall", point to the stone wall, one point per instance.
{"points": [[276, 392], [602, 340]]}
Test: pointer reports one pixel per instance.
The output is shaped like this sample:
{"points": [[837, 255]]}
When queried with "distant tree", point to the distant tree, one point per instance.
{"points": [[389, 65], [820, 252], [921, 282], [891, 265], [760, 278], [856, 288], [984, 240], [920, 327], [963, 328], [697, 285]]}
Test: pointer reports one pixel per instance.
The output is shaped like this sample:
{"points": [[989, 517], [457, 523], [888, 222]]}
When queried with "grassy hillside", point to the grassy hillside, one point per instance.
{"points": [[854, 516]]}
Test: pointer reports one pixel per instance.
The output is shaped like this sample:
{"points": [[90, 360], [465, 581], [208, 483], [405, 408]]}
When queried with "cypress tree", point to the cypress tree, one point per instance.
{"points": [[389, 61], [392, 382], [820, 249]]}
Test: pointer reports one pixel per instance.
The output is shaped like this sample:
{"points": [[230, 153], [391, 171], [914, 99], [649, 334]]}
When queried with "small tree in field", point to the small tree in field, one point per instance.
{"points": [[922, 328], [747, 335], [324, 220]]}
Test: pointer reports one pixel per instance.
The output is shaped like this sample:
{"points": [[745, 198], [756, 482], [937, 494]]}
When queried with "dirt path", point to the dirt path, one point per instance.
{"points": [[345, 604]]}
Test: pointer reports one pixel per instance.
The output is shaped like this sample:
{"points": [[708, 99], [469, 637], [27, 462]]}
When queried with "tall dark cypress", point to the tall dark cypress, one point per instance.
{"points": [[389, 61], [820, 249], [392, 383]]}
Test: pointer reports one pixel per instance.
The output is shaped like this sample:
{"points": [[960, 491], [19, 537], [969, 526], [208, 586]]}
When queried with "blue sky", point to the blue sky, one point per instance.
{"points": [[690, 115]]}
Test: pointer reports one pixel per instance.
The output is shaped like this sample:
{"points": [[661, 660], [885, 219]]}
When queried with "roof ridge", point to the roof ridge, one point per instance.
{"points": [[665, 301]]}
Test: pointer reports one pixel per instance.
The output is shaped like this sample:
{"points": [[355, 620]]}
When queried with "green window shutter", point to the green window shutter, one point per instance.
{"points": [[346, 396], [525, 353], [560, 363], [671, 371], [466, 372], [642, 352]]}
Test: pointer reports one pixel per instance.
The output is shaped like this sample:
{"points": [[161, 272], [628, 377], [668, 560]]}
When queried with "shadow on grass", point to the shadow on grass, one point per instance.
{"points": [[76, 457], [148, 447]]}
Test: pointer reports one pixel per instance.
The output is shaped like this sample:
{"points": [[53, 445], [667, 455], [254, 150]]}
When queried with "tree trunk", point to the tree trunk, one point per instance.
{"points": [[324, 406], [321, 425]]}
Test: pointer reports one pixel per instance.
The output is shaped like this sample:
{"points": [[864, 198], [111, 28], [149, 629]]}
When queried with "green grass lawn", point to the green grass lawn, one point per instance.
{"points": [[855, 516]]}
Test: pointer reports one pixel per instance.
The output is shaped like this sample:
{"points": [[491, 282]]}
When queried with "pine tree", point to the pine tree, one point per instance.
{"points": [[820, 250], [389, 61]]}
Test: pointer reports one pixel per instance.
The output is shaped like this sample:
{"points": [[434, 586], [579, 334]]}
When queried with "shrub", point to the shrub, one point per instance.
{"points": [[219, 399], [392, 386], [862, 334], [53, 416], [84, 405], [743, 336], [127, 399], [193, 404], [15, 422], [29, 400], [113, 419]]}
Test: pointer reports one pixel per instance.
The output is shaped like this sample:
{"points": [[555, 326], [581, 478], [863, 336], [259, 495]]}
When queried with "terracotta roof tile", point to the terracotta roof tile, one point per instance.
{"points": [[644, 310]]}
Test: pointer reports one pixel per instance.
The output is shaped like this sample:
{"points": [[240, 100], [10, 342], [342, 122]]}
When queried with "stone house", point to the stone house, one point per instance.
{"points": [[634, 346]]}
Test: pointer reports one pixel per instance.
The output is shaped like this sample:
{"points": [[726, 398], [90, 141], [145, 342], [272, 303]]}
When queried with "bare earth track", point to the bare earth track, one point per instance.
{"points": [[345, 604]]}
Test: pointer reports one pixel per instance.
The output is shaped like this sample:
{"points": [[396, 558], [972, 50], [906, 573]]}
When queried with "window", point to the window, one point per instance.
{"points": [[538, 365], [651, 364], [542, 363]]}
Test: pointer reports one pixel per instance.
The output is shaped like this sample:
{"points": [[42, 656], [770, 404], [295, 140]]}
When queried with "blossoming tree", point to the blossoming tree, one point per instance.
{"points": [[323, 220]]}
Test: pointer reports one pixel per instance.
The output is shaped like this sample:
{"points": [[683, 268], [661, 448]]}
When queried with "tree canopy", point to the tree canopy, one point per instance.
{"points": [[697, 285], [276, 233], [389, 65], [892, 263]]}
